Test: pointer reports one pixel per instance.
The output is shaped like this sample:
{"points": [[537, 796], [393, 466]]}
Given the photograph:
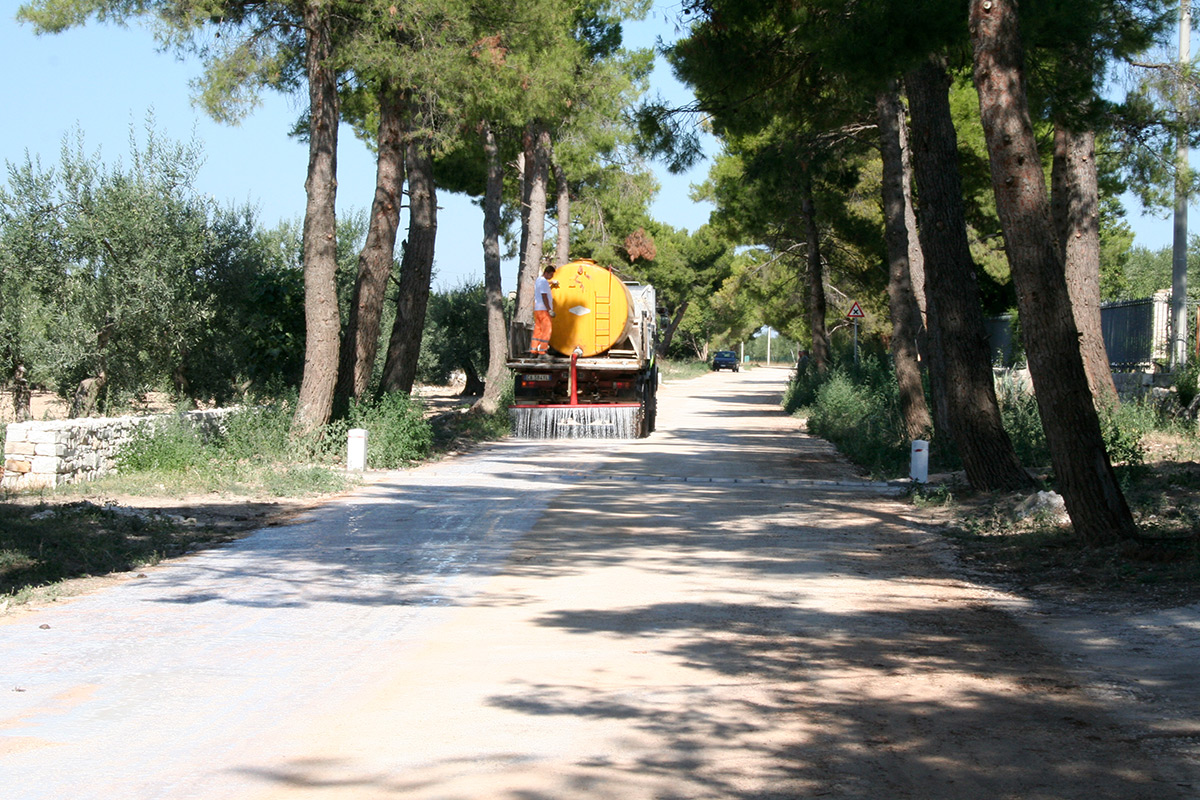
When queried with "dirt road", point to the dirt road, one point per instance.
{"points": [[723, 610]]}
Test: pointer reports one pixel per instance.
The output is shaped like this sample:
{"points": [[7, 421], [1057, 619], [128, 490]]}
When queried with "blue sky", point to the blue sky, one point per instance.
{"points": [[106, 79]]}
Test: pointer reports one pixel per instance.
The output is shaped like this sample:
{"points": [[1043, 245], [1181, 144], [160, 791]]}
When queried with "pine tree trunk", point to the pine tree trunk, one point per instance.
{"points": [[1084, 475], [497, 336], [816, 277], [321, 318], [906, 315], [473, 384], [931, 352], [562, 251], [955, 319], [522, 165], [664, 343], [916, 257], [1075, 205], [537, 173], [416, 274], [360, 342]]}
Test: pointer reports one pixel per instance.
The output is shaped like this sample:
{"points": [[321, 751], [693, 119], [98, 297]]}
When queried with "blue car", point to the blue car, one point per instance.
{"points": [[725, 359]]}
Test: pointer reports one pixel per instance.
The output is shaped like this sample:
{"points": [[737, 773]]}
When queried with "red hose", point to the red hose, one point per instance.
{"points": [[574, 379]]}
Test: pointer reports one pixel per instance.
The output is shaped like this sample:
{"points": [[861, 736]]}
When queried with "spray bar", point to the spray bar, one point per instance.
{"points": [[575, 405]]}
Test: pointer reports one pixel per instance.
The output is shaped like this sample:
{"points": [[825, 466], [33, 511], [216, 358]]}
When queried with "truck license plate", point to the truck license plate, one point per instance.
{"points": [[541, 376]]}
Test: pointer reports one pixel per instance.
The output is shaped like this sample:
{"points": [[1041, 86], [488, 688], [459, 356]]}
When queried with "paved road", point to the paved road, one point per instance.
{"points": [[720, 611]]}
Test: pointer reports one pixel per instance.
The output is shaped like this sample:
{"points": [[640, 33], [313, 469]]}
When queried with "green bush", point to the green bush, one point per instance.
{"points": [[1125, 427], [1021, 419], [1186, 382], [397, 432], [263, 434], [170, 445], [258, 434], [838, 408], [857, 408], [802, 390]]}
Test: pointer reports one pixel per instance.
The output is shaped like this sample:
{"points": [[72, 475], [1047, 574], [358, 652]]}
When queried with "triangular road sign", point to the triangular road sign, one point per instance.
{"points": [[855, 312]]}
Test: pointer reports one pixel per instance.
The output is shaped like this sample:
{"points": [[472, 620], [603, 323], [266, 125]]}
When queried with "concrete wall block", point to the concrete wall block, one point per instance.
{"points": [[58, 449], [16, 431], [31, 480], [48, 465], [20, 448], [42, 436]]}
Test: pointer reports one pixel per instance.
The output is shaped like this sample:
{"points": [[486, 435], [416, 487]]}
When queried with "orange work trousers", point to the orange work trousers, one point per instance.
{"points": [[542, 325]]}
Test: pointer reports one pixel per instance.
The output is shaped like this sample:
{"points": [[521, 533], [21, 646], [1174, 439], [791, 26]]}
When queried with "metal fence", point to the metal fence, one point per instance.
{"points": [[1137, 333]]}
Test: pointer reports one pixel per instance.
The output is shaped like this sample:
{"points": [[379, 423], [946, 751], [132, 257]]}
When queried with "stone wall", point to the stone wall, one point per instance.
{"points": [[49, 453]]}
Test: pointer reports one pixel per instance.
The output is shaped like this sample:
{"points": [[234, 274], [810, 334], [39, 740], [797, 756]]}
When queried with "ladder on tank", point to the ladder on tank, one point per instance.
{"points": [[603, 318]]}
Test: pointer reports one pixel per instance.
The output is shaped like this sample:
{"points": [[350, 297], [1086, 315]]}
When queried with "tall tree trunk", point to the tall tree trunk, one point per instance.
{"points": [[562, 250], [1085, 477], [906, 315], [522, 165], [537, 173], [321, 317], [816, 275], [360, 342], [416, 274], [664, 343], [916, 257], [955, 319], [497, 338], [473, 384], [1075, 205], [927, 346]]}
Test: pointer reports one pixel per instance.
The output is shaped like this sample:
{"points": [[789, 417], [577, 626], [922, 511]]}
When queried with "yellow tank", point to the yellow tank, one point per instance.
{"points": [[591, 308]]}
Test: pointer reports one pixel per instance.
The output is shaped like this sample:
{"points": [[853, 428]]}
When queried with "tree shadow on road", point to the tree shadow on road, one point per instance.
{"points": [[882, 692]]}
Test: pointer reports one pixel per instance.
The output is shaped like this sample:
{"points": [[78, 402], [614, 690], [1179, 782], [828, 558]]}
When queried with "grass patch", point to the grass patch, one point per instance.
{"points": [[253, 451], [675, 370], [397, 432]]}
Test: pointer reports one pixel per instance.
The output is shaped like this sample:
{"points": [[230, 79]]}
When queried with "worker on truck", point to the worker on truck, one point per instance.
{"points": [[543, 313]]}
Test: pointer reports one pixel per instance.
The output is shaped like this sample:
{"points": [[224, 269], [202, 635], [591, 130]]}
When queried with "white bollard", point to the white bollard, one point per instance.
{"points": [[356, 450], [918, 468]]}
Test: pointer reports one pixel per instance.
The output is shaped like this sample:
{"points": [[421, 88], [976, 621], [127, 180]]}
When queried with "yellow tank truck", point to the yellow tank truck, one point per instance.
{"points": [[601, 380]]}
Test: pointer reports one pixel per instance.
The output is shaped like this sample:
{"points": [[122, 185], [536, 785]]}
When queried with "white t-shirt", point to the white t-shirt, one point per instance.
{"points": [[541, 288]]}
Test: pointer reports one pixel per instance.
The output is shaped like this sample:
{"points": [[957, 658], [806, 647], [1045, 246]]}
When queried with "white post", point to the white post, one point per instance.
{"points": [[356, 450], [918, 468]]}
